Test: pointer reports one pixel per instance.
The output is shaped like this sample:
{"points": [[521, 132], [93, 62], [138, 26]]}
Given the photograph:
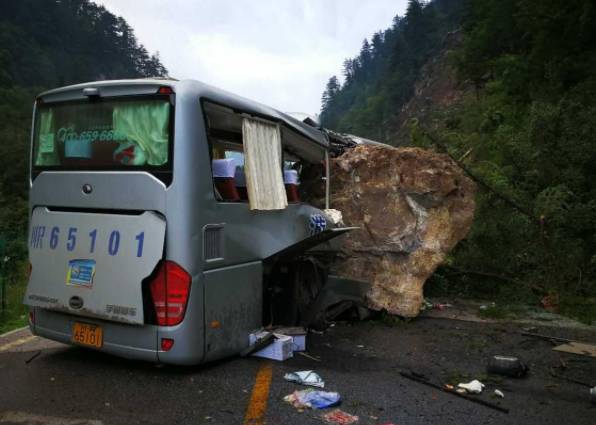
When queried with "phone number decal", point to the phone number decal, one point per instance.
{"points": [[70, 237]]}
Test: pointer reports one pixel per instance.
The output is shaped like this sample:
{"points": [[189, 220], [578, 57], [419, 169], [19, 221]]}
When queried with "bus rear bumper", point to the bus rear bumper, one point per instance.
{"points": [[131, 342]]}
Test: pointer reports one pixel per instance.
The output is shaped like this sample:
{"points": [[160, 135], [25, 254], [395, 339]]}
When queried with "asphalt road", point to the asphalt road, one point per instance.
{"points": [[70, 385]]}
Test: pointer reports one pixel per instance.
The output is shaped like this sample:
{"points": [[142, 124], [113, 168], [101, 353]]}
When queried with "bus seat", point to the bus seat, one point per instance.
{"points": [[291, 183], [223, 177], [240, 179]]}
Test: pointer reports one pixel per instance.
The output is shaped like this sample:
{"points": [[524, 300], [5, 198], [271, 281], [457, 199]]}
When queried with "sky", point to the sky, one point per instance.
{"points": [[277, 52]]}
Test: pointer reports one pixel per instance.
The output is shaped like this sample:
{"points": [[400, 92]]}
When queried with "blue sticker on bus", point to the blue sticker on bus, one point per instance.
{"points": [[80, 273], [317, 224]]}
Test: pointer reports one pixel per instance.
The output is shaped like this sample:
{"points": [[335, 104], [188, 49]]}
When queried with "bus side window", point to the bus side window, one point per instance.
{"points": [[292, 169], [228, 171]]}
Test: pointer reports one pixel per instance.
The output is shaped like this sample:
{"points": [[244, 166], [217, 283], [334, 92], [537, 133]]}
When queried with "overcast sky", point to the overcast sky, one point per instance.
{"points": [[278, 52]]}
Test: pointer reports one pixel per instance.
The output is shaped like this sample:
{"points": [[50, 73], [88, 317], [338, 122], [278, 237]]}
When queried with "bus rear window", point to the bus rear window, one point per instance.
{"points": [[103, 134]]}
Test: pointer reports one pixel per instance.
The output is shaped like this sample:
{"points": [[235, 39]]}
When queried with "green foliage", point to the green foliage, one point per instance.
{"points": [[380, 80], [531, 127], [15, 315], [54, 43]]}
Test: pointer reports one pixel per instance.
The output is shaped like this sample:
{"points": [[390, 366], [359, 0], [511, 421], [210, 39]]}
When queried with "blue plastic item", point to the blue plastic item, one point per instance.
{"points": [[321, 399]]}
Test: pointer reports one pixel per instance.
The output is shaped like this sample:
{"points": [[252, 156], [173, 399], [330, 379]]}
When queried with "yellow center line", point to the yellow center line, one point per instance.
{"points": [[255, 412], [17, 343]]}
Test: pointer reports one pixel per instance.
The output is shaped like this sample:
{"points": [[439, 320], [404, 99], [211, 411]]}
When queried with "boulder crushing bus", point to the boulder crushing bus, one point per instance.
{"points": [[162, 214]]}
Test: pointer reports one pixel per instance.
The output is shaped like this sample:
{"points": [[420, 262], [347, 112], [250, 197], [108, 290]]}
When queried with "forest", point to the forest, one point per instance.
{"points": [[46, 44], [524, 129]]}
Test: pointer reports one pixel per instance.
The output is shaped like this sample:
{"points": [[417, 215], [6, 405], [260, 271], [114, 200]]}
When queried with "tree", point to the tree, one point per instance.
{"points": [[330, 93]]}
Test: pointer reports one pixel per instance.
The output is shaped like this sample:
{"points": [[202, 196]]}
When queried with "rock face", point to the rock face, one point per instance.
{"points": [[412, 206]]}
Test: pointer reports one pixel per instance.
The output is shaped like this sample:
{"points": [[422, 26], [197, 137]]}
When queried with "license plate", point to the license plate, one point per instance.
{"points": [[87, 334]]}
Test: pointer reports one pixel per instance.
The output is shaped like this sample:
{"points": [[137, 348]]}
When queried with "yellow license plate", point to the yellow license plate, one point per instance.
{"points": [[87, 334]]}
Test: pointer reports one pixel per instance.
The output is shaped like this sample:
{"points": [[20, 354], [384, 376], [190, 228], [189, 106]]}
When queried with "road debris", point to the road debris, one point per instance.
{"points": [[427, 305], [257, 341], [455, 393], [499, 393], [338, 416], [298, 335], [33, 357], [593, 395], [313, 399], [547, 337], [305, 377], [507, 366], [578, 348], [472, 387], [308, 356], [279, 348]]}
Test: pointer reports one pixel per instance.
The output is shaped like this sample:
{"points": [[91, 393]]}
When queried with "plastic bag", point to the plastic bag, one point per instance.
{"points": [[312, 398], [305, 377]]}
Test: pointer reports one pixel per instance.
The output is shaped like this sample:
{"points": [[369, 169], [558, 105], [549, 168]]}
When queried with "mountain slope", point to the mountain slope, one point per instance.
{"points": [[380, 80], [514, 101]]}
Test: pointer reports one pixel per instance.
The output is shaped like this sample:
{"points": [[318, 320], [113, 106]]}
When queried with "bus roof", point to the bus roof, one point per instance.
{"points": [[197, 89]]}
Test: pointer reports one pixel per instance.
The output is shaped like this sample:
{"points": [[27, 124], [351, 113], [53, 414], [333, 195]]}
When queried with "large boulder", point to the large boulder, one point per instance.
{"points": [[412, 206]]}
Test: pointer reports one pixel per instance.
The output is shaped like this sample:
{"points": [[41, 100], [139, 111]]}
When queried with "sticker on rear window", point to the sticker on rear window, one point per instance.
{"points": [[80, 273]]}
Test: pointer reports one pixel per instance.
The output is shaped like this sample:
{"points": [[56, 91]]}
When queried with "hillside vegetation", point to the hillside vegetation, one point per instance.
{"points": [[45, 44], [525, 130]]}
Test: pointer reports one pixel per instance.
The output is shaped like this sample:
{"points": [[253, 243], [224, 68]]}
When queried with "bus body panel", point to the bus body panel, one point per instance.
{"points": [[93, 264], [233, 308], [115, 190]]}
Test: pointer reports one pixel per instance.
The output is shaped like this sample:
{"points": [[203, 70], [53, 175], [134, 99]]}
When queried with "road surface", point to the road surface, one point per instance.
{"points": [[44, 382]]}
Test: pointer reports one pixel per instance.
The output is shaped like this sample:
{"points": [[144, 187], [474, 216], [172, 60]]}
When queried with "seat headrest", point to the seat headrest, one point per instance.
{"points": [[291, 177], [223, 167]]}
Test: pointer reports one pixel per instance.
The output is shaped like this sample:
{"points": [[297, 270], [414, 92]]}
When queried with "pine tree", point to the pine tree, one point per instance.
{"points": [[330, 93]]}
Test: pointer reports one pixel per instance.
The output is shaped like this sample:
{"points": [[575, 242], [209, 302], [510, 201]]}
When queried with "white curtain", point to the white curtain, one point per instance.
{"points": [[263, 165]]}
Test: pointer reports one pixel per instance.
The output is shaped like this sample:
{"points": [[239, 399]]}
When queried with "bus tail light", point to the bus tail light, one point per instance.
{"points": [[169, 292], [165, 90]]}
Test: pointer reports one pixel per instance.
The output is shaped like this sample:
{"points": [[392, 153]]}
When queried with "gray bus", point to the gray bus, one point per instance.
{"points": [[166, 215]]}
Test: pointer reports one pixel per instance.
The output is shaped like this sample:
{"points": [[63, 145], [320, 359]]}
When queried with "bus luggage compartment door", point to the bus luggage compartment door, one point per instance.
{"points": [[93, 264]]}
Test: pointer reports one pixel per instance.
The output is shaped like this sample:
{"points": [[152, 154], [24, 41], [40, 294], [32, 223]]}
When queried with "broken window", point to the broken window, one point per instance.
{"points": [[258, 160]]}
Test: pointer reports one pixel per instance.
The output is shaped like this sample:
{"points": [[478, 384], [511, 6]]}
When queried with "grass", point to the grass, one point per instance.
{"points": [[15, 314]]}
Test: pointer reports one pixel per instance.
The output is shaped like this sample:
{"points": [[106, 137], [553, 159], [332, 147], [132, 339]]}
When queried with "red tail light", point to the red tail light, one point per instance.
{"points": [[169, 292], [165, 90]]}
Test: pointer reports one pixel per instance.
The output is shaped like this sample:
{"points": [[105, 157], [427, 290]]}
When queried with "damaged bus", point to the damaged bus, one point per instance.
{"points": [[166, 220]]}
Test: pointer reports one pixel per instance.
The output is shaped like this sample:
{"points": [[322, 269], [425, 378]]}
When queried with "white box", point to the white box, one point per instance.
{"points": [[280, 349], [298, 336]]}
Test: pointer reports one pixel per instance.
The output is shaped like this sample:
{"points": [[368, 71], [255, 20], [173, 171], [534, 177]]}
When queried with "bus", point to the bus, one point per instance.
{"points": [[168, 220]]}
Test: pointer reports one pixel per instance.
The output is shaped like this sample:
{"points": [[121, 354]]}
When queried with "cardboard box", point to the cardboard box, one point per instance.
{"points": [[298, 337], [280, 349]]}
